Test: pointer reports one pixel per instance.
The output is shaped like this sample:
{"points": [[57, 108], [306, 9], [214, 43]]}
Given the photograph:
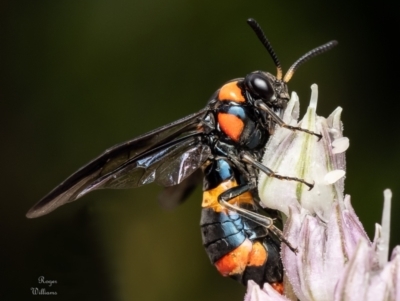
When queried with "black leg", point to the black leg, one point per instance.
{"points": [[250, 160], [262, 220], [262, 106]]}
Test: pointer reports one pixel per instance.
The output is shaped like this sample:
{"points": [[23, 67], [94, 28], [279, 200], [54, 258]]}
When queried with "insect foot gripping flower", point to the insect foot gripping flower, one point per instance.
{"points": [[335, 259], [298, 154]]}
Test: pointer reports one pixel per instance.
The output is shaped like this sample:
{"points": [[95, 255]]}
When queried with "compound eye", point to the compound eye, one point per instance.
{"points": [[259, 86]]}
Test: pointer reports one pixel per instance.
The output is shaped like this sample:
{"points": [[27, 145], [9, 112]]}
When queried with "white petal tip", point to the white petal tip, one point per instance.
{"points": [[383, 243], [387, 193], [340, 145], [314, 96], [292, 111], [333, 176], [294, 97], [335, 123]]}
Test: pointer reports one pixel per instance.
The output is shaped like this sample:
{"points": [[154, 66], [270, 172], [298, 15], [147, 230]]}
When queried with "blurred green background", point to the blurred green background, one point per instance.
{"points": [[80, 76]]}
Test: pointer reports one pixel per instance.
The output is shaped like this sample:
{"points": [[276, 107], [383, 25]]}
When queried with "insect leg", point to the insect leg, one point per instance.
{"points": [[262, 106], [262, 220], [250, 160]]}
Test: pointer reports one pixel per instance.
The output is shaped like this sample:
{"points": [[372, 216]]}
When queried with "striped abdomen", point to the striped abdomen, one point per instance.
{"points": [[238, 247]]}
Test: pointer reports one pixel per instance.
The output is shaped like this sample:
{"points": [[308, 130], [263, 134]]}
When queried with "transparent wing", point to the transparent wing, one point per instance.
{"points": [[169, 140], [173, 196], [167, 165]]}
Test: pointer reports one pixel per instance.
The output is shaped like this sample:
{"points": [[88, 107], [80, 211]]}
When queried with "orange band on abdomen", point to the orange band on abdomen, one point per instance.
{"points": [[235, 262]]}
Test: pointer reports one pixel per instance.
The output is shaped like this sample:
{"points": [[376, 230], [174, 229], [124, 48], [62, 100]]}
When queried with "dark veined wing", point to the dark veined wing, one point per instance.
{"points": [[167, 165], [168, 155]]}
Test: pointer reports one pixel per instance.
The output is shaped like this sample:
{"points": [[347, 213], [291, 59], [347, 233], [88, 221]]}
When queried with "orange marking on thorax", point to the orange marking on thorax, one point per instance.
{"points": [[231, 125], [231, 92], [210, 197]]}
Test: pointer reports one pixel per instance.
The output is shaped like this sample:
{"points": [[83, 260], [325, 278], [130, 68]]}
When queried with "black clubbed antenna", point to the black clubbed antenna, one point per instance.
{"points": [[263, 39], [306, 57]]}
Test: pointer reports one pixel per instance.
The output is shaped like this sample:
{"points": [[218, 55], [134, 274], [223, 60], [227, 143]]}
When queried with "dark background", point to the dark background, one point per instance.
{"points": [[80, 76]]}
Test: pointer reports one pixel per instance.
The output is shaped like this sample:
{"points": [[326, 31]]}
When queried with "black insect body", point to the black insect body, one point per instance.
{"points": [[238, 247], [225, 141]]}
